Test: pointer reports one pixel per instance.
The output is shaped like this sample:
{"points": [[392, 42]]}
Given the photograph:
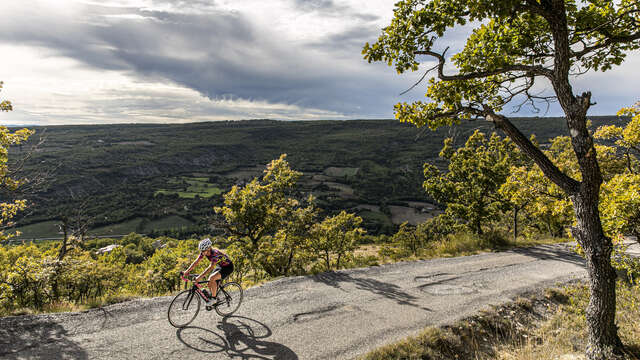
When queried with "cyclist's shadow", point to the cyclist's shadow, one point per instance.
{"points": [[241, 338]]}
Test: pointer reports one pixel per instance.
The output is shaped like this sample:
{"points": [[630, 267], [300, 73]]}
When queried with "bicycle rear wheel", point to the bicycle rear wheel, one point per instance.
{"points": [[184, 308], [229, 298]]}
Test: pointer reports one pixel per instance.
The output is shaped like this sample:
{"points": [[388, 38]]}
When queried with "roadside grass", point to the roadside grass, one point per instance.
{"points": [[453, 245], [540, 326], [64, 306], [462, 244], [565, 331], [364, 256]]}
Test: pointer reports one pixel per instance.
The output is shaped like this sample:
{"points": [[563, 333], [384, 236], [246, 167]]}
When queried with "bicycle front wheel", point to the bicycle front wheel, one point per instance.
{"points": [[229, 298], [184, 308]]}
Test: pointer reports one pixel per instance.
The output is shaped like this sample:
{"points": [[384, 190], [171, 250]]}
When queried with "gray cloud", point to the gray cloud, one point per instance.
{"points": [[348, 43], [329, 7], [217, 53], [226, 55]]}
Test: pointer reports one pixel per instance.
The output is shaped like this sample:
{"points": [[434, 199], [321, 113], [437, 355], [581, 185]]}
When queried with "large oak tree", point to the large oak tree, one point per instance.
{"points": [[517, 45]]}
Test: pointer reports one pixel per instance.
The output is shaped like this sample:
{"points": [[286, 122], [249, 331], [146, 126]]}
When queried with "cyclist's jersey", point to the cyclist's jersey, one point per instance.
{"points": [[217, 257]]}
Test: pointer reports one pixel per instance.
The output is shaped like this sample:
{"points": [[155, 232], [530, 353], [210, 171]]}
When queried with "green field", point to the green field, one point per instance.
{"points": [[170, 222], [190, 188], [49, 229], [39, 230], [118, 229]]}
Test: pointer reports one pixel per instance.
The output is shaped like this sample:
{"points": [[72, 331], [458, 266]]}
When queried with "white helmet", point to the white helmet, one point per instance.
{"points": [[204, 244]]}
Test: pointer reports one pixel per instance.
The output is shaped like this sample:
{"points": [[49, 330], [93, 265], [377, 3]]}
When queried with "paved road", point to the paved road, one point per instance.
{"points": [[336, 315]]}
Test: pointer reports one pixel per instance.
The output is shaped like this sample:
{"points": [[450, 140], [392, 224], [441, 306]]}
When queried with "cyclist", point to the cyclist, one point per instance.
{"points": [[220, 264]]}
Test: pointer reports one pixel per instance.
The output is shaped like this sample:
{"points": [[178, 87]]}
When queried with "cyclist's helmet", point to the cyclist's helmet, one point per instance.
{"points": [[204, 244]]}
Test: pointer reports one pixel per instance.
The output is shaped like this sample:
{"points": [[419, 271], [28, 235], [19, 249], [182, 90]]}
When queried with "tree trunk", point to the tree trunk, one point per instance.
{"points": [[515, 223], [327, 260], [63, 246], [289, 260], [604, 342], [602, 331], [477, 227]]}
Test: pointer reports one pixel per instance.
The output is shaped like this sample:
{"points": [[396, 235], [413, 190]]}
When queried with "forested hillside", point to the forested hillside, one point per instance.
{"points": [[165, 179]]}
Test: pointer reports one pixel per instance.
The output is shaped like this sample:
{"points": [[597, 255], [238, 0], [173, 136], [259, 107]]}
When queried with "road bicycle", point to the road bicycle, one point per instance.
{"points": [[186, 305]]}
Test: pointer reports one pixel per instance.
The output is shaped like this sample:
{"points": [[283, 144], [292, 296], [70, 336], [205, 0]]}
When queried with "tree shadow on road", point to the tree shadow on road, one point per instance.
{"points": [[238, 337], [387, 290], [551, 252], [27, 337]]}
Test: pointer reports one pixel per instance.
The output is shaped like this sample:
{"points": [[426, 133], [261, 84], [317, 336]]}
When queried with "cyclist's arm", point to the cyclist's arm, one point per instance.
{"points": [[206, 271], [194, 264]]}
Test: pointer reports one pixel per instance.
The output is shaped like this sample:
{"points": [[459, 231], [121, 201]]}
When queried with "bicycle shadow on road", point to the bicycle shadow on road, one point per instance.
{"points": [[28, 337], [238, 337]]}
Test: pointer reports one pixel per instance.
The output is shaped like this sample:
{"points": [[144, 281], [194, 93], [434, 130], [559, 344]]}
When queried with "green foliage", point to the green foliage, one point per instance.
{"points": [[162, 270], [475, 174], [627, 138], [9, 209], [32, 277], [241, 264], [550, 210], [5, 105], [284, 252], [627, 267], [409, 239], [511, 44], [266, 220], [545, 205], [274, 229], [416, 241], [620, 204], [489, 178], [335, 238]]}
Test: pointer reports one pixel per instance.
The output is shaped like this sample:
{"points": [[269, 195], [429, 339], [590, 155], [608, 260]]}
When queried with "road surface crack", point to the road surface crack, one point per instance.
{"points": [[320, 313]]}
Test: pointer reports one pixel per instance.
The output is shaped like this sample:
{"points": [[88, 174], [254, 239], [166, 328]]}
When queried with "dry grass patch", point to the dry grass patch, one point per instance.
{"points": [[564, 333], [542, 326], [367, 250]]}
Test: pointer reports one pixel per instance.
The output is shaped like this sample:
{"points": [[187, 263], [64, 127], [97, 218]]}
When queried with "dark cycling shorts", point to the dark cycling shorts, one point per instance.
{"points": [[224, 271]]}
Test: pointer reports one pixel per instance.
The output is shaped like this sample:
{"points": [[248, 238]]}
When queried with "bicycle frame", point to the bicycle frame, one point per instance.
{"points": [[195, 289], [187, 296]]}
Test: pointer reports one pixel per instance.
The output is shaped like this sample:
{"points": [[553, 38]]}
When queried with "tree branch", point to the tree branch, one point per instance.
{"points": [[609, 41], [568, 184], [532, 69]]}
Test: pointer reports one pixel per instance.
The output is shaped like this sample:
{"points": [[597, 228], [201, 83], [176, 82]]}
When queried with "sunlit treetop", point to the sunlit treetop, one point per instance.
{"points": [[513, 44], [626, 138], [5, 105], [8, 210]]}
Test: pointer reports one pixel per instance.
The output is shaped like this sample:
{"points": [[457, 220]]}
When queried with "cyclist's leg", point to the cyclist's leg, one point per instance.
{"points": [[225, 271], [213, 281]]}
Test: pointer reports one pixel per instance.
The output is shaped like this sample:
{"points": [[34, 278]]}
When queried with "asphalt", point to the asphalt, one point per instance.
{"points": [[334, 315]]}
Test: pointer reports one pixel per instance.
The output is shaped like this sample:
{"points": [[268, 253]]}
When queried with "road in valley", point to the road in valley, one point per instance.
{"points": [[335, 315]]}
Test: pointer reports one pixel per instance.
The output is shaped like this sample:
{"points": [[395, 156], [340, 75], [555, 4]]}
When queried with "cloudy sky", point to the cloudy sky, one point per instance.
{"points": [[124, 61]]}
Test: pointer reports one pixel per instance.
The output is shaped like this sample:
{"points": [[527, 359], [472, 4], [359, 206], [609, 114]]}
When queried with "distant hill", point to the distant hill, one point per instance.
{"points": [[154, 178]]}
